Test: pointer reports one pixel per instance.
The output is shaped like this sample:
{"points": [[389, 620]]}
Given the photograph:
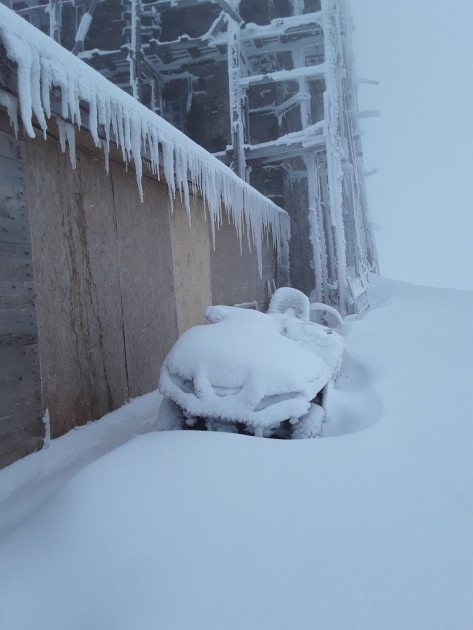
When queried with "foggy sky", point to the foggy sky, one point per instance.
{"points": [[421, 51]]}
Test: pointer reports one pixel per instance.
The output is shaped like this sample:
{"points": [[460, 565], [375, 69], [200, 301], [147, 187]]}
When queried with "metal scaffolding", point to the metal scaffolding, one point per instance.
{"points": [[290, 110]]}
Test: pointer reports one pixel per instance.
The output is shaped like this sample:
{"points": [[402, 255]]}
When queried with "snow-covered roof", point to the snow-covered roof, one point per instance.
{"points": [[43, 65]]}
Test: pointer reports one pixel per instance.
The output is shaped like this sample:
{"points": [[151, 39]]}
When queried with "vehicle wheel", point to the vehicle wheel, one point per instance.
{"points": [[170, 416], [310, 425]]}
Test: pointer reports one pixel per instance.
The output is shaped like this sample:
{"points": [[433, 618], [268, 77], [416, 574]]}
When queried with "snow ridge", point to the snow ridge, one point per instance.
{"points": [[188, 168]]}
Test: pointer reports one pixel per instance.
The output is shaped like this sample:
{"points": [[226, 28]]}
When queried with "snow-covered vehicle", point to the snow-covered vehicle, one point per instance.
{"points": [[260, 373]]}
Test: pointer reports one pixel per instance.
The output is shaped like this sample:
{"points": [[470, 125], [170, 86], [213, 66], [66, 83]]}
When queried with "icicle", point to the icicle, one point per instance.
{"points": [[46, 87], [67, 132], [11, 103], [135, 150], [47, 429]]}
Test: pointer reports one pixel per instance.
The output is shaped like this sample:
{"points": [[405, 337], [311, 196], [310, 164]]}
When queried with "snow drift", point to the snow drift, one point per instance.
{"points": [[369, 530]]}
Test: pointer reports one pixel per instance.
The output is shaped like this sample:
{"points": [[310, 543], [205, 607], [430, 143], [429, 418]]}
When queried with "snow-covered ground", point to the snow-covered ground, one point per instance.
{"points": [[369, 528]]}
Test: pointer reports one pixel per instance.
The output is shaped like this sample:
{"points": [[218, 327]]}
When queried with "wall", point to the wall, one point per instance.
{"points": [[117, 281], [235, 275], [191, 258], [21, 426], [105, 282]]}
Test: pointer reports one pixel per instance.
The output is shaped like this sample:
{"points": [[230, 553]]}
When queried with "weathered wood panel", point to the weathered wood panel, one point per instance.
{"points": [[18, 321], [11, 147], [235, 276], [21, 426], [14, 222], [15, 294], [270, 274], [79, 306], [18, 269], [19, 442], [146, 273], [12, 175], [191, 257]]}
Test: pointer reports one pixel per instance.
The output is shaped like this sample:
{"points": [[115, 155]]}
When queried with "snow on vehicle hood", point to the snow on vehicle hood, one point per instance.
{"points": [[246, 355]]}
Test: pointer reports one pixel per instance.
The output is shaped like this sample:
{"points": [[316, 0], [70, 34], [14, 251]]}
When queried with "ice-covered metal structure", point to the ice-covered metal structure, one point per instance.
{"points": [[268, 87]]}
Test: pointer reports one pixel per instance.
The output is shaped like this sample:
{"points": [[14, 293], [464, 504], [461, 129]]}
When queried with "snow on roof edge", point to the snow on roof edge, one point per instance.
{"points": [[43, 64]]}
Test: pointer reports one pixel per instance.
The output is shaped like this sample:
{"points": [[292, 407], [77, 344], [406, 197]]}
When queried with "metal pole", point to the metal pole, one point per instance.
{"points": [[136, 77], [235, 94], [55, 19]]}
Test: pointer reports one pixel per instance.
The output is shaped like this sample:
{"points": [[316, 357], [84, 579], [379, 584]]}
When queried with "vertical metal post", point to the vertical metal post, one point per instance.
{"points": [[235, 94], [136, 76], [84, 26], [318, 247], [55, 19]]}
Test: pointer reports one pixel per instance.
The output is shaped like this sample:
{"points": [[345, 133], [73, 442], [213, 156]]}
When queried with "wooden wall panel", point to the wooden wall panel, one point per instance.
{"points": [[78, 286], [147, 280], [191, 255], [235, 275], [21, 426]]}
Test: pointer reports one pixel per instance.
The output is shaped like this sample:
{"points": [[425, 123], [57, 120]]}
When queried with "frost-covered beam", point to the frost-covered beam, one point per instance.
{"points": [[309, 72], [55, 19], [278, 110], [162, 5], [84, 26], [254, 34], [136, 77], [256, 48], [284, 26], [229, 10], [290, 145], [335, 151], [235, 97], [298, 142]]}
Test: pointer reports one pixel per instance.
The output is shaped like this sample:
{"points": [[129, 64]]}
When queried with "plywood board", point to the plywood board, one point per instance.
{"points": [[146, 273], [21, 426], [234, 271], [78, 286], [191, 258], [11, 147]]}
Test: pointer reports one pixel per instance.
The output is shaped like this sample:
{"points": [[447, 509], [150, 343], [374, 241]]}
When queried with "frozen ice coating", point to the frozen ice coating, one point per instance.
{"points": [[334, 147], [44, 65], [11, 103], [288, 298]]}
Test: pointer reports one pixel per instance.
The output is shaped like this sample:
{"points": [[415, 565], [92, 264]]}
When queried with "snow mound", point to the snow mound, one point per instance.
{"points": [[208, 531], [237, 369]]}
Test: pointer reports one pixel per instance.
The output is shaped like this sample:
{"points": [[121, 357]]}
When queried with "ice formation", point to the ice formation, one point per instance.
{"points": [[287, 298], [114, 115]]}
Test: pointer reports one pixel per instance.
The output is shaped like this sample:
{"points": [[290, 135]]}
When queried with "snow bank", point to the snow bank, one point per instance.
{"points": [[43, 65], [27, 483], [370, 530]]}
